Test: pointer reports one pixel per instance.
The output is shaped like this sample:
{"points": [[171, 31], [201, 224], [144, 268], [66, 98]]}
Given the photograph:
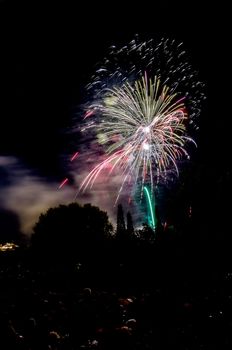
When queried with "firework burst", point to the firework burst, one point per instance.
{"points": [[141, 116], [144, 131], [166, 59]]}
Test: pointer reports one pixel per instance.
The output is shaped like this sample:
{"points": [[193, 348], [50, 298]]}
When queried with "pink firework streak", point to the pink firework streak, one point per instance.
{"points": [[63, 183], [88, 114], [74, 156]]}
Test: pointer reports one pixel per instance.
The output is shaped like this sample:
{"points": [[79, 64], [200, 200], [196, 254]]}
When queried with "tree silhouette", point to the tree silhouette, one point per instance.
{"points": [[146, 233], [71, 230], [130, 226], [121, 227]]}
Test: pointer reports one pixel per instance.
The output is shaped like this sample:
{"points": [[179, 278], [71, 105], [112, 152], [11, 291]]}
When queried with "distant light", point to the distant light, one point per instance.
{"points": [[8, 246]]}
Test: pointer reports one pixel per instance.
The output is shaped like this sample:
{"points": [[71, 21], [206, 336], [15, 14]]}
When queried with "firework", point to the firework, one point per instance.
{"points": [[63, 183], [165, 58], [143, 127], [74, 156], [144, 97], [151, 208]]}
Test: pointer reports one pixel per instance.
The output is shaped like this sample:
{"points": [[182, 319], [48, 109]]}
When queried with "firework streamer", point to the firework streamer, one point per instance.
{"points": [[151, 209]]}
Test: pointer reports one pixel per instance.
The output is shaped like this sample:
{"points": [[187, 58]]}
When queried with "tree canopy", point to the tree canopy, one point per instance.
{"points": [[71, 229]]}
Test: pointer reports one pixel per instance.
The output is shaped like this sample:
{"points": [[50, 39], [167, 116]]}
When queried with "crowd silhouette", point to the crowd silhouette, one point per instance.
{"points": [[80, 284]]}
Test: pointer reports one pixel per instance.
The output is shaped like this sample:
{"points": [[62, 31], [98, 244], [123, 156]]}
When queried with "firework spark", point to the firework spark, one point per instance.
{"points": [[74, 156], [63, 183], [166, 59]]}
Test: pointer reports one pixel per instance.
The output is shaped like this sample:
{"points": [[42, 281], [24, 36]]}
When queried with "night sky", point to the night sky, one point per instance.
{"points": [[47, 55]]}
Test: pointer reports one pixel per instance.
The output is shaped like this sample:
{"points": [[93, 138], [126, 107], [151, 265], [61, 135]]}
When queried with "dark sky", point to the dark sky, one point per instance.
{"points": [[48, 52]]}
